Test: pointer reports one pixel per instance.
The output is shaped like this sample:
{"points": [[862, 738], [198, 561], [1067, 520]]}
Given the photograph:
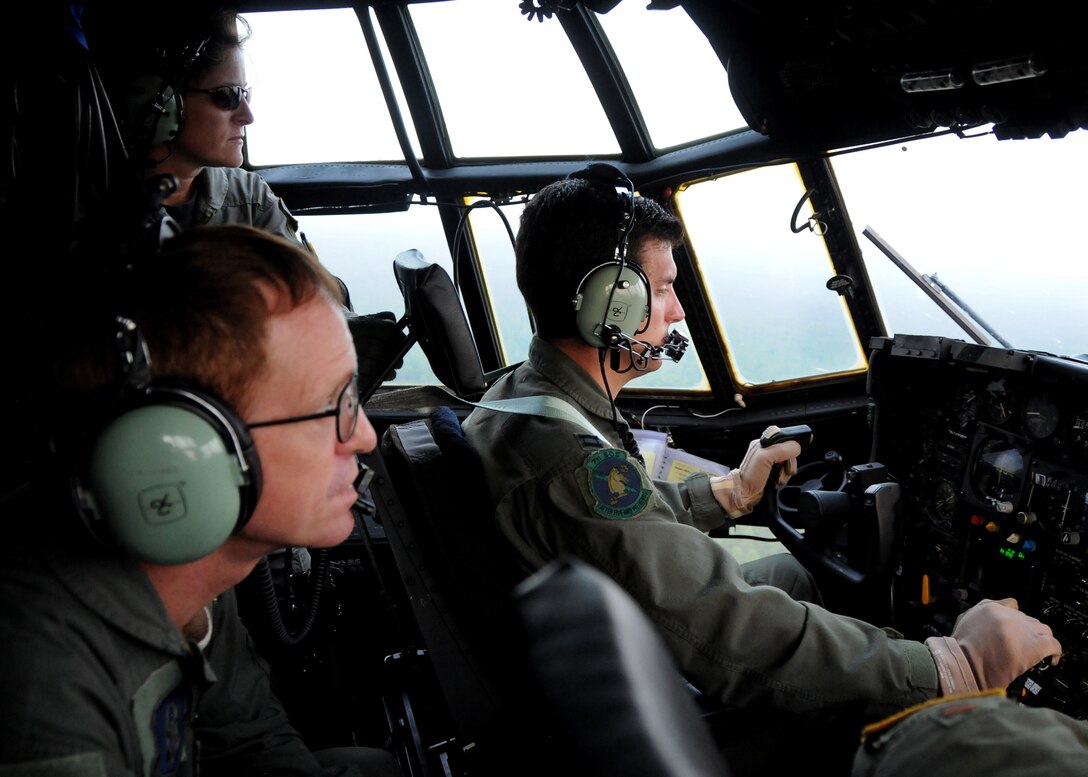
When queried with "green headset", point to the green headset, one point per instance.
{"points": [[170, 471], [154, 110], [612, 301]]}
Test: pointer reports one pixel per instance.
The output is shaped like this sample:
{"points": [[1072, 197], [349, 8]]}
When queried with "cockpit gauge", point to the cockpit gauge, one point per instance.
{"points": [[944, 501], [999, 474], [965, 409], [998, 402], [1041, 415], [1077, 430]]}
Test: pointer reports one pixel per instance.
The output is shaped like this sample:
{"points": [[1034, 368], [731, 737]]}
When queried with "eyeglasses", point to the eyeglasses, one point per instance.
{"points": [[226, 98], [346, 412]]}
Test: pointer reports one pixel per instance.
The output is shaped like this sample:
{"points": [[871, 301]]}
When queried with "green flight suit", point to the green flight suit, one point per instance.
{"points": [[558, 490], [231, 195], [96, 680], [980, 733]]}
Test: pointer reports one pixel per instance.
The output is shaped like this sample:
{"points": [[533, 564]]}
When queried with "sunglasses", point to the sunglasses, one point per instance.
{"points": [[346, 412], [226, 98]]}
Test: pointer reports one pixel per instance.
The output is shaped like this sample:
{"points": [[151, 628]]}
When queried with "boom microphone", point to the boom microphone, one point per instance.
{"points": [[673, 348]]}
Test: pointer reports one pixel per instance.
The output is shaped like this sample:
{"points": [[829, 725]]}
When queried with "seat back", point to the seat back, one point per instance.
{"points": [[435, 318], [455, 567], [606, 681]]}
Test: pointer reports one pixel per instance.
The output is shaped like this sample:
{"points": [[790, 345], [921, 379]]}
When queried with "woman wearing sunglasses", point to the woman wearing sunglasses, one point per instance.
{"points": [[184, 110]]}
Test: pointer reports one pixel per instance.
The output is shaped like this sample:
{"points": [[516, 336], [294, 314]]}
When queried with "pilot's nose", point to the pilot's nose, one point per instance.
{"points": [[364, 439]]}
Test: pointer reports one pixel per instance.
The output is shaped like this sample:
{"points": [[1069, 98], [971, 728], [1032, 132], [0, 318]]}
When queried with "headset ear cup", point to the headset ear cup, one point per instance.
{"points": [[611, 296], [170, 480], [153, 112]]}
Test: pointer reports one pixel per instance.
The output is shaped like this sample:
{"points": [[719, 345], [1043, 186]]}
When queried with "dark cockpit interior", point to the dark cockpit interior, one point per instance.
{"points": [[941, 470]]}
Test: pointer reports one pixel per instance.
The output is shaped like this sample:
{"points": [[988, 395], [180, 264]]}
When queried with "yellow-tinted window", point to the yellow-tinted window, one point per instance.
{"points": [[766, 282]]}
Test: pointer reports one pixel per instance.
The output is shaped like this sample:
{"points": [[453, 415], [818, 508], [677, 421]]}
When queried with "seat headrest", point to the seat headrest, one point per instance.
{"points": [[437, 320]]}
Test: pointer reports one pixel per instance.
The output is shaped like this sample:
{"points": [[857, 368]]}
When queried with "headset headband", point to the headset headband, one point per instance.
{"points": [[613, 299]]}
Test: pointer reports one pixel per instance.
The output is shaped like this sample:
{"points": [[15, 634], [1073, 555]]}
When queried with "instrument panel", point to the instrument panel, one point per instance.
{"points": [[990, 446]]}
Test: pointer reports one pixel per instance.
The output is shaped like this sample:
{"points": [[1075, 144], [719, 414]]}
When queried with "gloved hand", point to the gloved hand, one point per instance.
{"points": [[991, 645], [740, 491]]}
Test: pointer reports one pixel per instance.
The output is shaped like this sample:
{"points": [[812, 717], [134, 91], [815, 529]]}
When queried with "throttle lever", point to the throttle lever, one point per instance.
{"points": [[802, 433], [773, 435]]}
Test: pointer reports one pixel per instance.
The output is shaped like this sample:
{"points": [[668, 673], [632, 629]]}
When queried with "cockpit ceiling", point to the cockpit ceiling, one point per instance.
{"points": [[832, 73], [837, 72]]}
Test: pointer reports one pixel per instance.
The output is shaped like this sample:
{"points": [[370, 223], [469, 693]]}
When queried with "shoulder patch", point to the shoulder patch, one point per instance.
{"points": [[618, 487], [162, 709]]}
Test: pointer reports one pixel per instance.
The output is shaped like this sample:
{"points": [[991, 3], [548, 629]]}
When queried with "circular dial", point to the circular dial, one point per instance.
{"points": [[965, 407], [999, 473], [998, 402], [1041, 415], [944, 501]]}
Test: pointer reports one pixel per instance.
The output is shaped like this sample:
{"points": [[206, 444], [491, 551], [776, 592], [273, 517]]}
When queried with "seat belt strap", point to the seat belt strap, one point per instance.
{"points": [[548, 407]]}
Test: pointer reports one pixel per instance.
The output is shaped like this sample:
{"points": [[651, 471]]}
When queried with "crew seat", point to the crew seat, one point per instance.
{"points": [[456, 572], [542, 672], [452, 571]]}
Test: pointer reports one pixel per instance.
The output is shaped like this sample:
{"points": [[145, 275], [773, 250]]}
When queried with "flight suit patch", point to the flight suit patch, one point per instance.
{"points": [[162, 708], [617, 486]]}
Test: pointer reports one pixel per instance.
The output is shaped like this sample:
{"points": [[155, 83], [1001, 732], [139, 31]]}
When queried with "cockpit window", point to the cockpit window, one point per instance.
{"points": [[322, 102], [996, 222], [671, 67], [506, 87], [768, 284], [359, 250]]}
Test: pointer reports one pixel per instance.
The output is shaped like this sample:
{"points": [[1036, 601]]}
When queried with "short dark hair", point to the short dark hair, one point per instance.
{"points": [[568, 228], [162, 43], [224, 32]]}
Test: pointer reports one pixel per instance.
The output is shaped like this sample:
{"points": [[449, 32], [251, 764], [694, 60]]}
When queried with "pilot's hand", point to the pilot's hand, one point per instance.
{"points": [[740, 491], [991, 645]]}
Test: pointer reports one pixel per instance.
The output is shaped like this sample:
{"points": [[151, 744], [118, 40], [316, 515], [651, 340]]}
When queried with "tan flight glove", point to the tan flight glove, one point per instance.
{"points": [[740, 490], [991, 645]]}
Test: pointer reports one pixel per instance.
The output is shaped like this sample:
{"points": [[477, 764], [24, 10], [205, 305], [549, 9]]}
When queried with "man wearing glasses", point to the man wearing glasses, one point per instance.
{"points": [[216, 381]]}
